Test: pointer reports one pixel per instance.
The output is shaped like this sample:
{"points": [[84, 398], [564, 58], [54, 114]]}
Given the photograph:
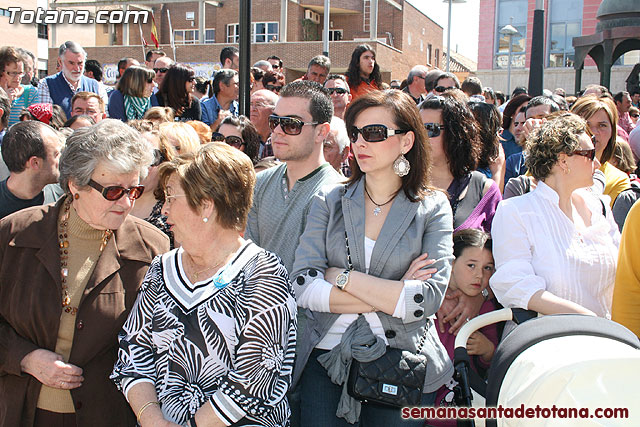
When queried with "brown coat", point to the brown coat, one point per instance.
{"points": [[30, 309]]}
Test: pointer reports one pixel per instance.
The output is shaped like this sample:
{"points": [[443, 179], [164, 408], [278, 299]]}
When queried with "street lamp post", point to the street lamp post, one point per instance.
{"points": [[509, 31], [449, 30]]}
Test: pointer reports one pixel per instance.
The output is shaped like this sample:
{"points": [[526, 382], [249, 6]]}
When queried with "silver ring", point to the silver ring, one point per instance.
{"points": [[61, 383], [468, 319]]}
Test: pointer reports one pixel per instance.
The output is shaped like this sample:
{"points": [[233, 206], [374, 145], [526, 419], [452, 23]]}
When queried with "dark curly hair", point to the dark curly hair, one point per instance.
{"points": [[250, 135], [405, 116], [460, 138], [488, 118]]}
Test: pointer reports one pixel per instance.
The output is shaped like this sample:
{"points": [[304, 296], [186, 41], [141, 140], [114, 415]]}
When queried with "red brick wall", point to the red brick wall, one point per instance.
{"points": [[486, 35], [589, 22]]}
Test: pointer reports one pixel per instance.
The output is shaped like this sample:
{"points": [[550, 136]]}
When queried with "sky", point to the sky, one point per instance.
{"points": [[464, 23]]}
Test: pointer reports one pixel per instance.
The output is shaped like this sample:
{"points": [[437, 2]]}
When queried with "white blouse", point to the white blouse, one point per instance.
{"points": [[535, 246]]}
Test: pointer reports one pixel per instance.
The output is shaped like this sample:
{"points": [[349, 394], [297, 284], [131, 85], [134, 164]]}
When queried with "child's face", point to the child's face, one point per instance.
{"points": [[472, 270]]}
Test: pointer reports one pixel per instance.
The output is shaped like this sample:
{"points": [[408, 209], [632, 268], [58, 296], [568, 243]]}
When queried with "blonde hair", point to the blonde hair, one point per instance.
{"points": [[160, 114], [203, 130], [623, 157], [182, 136]]}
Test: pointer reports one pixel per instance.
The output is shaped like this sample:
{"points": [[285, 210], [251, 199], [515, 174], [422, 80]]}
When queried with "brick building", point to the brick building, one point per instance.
{"points": [[404, 36], [564, 19]]}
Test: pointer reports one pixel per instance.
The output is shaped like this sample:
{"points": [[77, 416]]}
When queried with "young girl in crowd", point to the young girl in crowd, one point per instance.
{"points": [[470, 273]]}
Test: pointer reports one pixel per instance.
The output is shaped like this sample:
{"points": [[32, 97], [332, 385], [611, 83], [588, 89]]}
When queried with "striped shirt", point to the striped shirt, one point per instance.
{"points": [[27, 98]]}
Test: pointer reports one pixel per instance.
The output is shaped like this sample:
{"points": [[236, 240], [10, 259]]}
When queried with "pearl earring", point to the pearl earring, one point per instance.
{"points": [[205, 219]]}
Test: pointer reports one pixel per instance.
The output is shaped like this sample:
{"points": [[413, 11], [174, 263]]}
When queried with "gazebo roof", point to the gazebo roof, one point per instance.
{"points": [[618, 13]]}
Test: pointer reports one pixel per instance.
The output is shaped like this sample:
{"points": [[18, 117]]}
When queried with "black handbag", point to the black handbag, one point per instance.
{"points": [[394, 379]]}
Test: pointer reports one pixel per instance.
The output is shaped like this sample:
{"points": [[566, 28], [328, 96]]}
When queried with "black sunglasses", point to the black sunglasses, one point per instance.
{"points": [[273, 88], [115, 192], [289, 125], [635, 116], [589, 153], [150, 81], [338, 90], [158, 157], [433, 129], [160, 70], [441, 89], [373, 133], [232, 140]]}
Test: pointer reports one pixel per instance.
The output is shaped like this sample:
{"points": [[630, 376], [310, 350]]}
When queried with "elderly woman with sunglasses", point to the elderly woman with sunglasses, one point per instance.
{"points": [[211, 339], [224, 101], [353, 272], [556, 248], [132, 97], [69, 275], [240, 133]]}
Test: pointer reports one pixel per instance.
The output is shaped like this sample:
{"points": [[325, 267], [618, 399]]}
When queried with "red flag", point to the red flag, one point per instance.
{"points": [[154, 32]]}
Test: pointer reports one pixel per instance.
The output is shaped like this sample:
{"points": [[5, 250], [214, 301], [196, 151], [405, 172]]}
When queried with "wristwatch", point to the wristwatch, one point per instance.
{"points": [[343, 280], [485, 294]]}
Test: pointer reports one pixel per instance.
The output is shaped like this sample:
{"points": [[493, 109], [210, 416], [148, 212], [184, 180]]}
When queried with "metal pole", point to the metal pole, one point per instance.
{"points": [[325, 31], [509, 67], [449, 38], [245, 56], [373, 20]]}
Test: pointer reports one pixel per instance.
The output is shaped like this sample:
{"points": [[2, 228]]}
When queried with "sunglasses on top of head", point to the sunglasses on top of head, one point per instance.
{"points": [[433, 129], [115, 192], [373, 133], [232, 140], [289, 125]]}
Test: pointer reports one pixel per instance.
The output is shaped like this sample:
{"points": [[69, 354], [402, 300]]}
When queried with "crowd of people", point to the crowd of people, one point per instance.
{"points": [[168, 261]]}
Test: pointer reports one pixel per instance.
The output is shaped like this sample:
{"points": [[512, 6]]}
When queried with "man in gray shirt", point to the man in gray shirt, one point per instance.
{"points": [[283, 194]]}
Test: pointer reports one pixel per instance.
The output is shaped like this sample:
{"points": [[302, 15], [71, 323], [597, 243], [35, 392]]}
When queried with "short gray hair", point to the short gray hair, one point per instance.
{"points": [[111, 142], [321, 61], [72, 47], [339, 129], [418, 70]]}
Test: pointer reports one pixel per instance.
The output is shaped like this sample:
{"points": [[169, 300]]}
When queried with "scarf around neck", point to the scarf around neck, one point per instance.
{"points": [[136, 107]]}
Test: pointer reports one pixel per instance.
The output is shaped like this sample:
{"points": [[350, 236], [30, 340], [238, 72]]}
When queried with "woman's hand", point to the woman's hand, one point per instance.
{"points": [[479, 344], [12, 93], [417, 269], [51, 370], [459, 307]]}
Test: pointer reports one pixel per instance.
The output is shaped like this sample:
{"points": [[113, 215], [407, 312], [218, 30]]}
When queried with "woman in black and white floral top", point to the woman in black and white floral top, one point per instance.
{"points": [[211, 339]]}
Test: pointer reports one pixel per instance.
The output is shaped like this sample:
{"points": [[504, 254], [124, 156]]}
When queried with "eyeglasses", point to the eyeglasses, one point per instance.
{"points": [[275, 66], [589, 153], [373, 133], [168, 199], [273, 88], [158, 157], [433, 129], [232, 140], [635, 116], [441, 89], [15, 73], [289, 125], [160, 70], [191, 79], [338, 90], [115, 192], [150, 81]]}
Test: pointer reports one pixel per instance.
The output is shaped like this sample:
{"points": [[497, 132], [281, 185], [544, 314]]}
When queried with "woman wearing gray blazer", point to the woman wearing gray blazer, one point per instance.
{"points": [[359, 271]]}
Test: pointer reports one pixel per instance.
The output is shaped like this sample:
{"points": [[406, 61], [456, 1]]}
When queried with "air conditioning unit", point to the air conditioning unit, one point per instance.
{"points": [[312, 16], [316, 18]]}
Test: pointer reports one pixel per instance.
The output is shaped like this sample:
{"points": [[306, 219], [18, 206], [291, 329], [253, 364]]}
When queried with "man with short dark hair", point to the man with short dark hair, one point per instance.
{"points": [[635, 98], [151, 56], [224, 102], [623, 103], [415, 83], [230, 58], [31, 150], [59, 88], [340, 93], [472, 86], [125, 63], [93, 69], [283, 194], [276, 63], [318, 69]]}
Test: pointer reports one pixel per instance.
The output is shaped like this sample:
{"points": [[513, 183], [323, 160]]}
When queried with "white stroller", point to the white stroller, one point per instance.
{"points": [[581, 365]]}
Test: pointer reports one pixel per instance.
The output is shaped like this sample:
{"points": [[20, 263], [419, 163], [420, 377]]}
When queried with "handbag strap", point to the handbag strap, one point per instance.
{"points": [[423, 338]]}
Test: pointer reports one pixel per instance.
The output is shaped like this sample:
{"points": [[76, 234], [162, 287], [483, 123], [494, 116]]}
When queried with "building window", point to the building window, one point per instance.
{"points": [[264, 32], [437, 58], [512, 12], [4, 12], [335, 35], [366, 15], [566, 23], [233, 33], [210, 36], [186, 36], [43, 31], [429, 47]]}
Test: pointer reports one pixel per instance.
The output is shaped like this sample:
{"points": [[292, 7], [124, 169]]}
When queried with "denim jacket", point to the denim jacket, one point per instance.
{"points": [[410, 229]]}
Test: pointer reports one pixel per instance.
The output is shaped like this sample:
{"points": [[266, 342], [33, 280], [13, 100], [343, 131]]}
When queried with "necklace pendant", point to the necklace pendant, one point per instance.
{"points": [[377, 211]]}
